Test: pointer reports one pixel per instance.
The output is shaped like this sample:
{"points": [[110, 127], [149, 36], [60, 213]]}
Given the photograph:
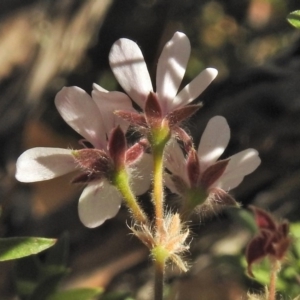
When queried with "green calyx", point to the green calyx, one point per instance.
{"points": [[195, 196], [159, 137], [160, 254], [120, 178]]}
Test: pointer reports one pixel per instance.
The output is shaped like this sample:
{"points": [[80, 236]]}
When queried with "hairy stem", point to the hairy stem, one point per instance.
{"points": [[158, 189], [160, 255], [159, 281], [158, 140], [275, 266], [121, 181]]}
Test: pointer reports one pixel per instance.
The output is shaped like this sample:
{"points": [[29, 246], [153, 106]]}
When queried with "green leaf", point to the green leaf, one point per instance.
{"points": [[294, 18], [17, 247], [76, 294]]}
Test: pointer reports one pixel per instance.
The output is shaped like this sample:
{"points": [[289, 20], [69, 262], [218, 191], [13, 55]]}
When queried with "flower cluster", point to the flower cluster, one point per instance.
{"points": [[112, 171]]}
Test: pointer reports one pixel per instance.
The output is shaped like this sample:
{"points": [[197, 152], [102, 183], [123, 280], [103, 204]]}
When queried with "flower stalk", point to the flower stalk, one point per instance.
{"points": [[275, 267], [121, 182], [158, 189], [160, 255], [159, 265]]}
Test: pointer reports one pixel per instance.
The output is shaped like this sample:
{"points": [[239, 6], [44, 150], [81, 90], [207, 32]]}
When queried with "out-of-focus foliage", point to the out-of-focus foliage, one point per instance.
{"points": [[76, 294], [117, 296], [229, 38], [294, 18]]}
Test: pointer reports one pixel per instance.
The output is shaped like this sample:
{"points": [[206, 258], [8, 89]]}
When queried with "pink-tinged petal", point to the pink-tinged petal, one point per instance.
{"points": [[240, 165], [195, 88], [176, 184], [213, 142], [171, 68], [128, 65], [108, 103], [98, 202], [169, 183], [38, 164], [140, 174], [79, 110], [175, 161], [136, 151]]}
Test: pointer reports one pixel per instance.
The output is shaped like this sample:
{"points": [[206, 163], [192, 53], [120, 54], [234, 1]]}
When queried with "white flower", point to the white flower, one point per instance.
{"points": [[201, 172], [128, 65], [93, 118]]}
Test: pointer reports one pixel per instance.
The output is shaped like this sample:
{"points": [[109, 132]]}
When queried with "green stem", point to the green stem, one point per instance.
{"points": [[158, 189], [159, 281], [158, 141], [121, 181], [160, 255], [275, 266]]}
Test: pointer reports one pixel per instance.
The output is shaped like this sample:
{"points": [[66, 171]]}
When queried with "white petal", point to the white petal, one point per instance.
{"points": [[108, 103], [38, 164], [170, 184], [98, 202], [175, 161], [141, 174], [195, 87], [213, 142], [79, 110], [240, 165], [171, 68], [128, 65]]}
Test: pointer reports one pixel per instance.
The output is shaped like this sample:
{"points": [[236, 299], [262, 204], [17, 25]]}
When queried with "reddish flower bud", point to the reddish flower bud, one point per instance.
{"points": [[272, 239]]}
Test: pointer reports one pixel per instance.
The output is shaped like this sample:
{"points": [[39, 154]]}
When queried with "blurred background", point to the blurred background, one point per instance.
{"points": [[48, 44]]}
